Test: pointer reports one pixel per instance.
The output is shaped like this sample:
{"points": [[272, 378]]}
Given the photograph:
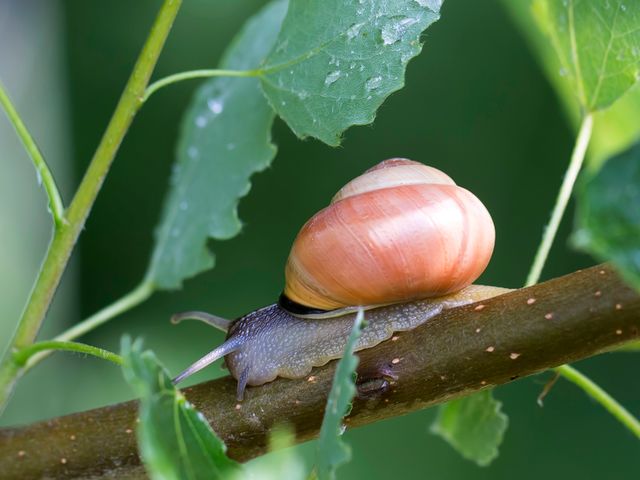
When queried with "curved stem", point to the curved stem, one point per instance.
{"points": [[44, 174], [191, 74], [564, 194], [570, 373], [22, 356], [66, 235], [600, 396], [132, 299]]}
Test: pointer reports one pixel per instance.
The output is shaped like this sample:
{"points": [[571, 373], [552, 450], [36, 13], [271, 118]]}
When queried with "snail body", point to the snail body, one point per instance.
{"points": [[402, 240]]}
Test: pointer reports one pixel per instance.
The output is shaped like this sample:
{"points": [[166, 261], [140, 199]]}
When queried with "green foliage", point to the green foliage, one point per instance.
{"points": [[174, 439], [616, 127], [597, 43], [474, 426], [280, 463], [350, 55], [332, 451], [226, 137], [608, 214], [334, 73]]}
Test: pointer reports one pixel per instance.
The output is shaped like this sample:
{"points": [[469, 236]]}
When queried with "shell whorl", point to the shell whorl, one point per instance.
{"points": [[401, 231]]}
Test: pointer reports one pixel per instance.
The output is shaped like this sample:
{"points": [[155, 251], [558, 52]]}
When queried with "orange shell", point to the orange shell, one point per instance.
{"points": [[401, 231]]}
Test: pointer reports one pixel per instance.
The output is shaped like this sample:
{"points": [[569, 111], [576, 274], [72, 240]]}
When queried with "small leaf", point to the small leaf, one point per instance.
{"points": [[332, 451], [281, 463], [597, 43], [336, 61], [608, 214], [175, 440], [226, 137], [474, 426], [614, 128]]}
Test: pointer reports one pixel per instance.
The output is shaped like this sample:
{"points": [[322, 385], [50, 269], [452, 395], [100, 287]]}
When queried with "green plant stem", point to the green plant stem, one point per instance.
{"points": [[127, 302], [191, 74], [66, 236], [568, 372], [22, 357], [55, 201], [577, 158], [600, 396]]}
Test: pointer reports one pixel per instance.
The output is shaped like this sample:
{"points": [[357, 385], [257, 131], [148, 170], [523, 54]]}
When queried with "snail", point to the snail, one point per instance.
{"points": [[402, 241]]}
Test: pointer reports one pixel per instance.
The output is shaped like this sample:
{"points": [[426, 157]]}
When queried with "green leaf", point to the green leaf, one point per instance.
{"points": [[282, 462], [474, 426], [336, 61], [226, 137], [332, 451], [597, 43], [608, 214], [616, 127], [175, 440]]}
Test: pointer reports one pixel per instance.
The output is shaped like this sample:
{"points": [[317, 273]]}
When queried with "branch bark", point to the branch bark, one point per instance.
{"points": [[457, 353]]}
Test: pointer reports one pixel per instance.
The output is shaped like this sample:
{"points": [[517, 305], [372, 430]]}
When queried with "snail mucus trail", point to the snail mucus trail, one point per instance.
{"points": [[402, 240]]}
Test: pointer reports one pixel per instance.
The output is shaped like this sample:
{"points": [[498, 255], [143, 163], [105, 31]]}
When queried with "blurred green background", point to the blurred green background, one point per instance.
{"points": [[476, 105]]}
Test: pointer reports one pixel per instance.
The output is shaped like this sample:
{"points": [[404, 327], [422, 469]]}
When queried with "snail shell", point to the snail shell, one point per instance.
{"points": [[401, 232]]}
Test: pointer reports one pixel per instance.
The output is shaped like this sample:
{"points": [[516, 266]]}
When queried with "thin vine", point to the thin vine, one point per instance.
{"points": [[566, 371]]}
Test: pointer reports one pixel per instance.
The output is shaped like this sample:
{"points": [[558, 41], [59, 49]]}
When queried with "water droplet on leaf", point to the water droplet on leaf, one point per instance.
{"points": [[373, 83], [332, 77], [215, 105], [354, 30]]}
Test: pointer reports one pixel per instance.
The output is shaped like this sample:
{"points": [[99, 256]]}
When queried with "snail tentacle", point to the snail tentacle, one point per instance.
{"points": [[230, 346], [213, 320]]}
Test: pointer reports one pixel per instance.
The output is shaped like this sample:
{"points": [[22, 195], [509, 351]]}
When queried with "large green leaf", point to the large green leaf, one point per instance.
{"points": [[335, 61], [175, 440], [597, 43], [226, 137], [332, 451], [608, 214], [474, 426], [616, 127]]}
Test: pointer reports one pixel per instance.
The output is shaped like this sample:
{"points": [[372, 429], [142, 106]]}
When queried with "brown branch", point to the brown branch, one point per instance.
{"points": [[460, 352]]}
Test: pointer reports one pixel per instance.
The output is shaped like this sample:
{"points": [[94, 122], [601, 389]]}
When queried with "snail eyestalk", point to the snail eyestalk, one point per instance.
{"points": [[226, 348], [213, 320]]}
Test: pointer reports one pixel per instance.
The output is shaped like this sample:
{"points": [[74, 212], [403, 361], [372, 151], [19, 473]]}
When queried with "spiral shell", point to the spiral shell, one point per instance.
{"points": [[401, 231]]}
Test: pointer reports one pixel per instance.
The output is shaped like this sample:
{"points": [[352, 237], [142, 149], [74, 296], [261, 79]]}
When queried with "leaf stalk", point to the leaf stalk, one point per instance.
{"points": [[42, 169], [191, 74], [601, 396], [577, 158]]}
